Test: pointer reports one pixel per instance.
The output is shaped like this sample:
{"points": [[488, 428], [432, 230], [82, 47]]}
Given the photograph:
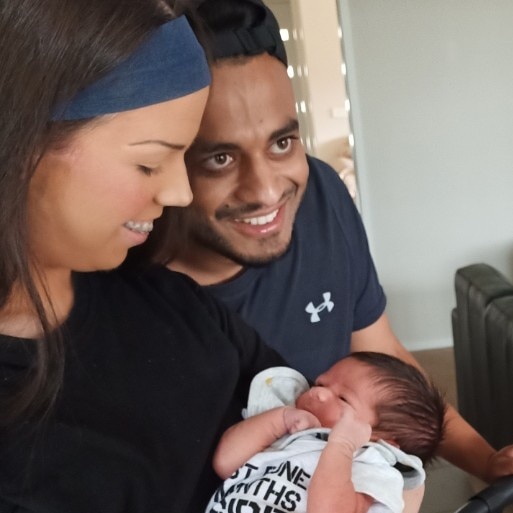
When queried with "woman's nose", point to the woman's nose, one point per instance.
{"points": [[174, 188]]}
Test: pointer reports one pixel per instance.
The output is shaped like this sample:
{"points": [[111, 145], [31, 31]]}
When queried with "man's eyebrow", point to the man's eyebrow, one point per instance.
{"points": [[291, 126], [162, 143], [205, 146]]}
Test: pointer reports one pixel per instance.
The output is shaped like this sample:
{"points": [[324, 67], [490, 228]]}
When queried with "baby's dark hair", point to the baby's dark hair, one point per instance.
{"points": [[413, 409]]}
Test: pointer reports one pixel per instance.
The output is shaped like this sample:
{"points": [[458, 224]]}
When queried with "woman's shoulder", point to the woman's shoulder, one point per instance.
{"points": [[154, 276], [127, 289]]}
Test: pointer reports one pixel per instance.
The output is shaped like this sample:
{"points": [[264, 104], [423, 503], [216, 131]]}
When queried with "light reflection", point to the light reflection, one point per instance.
{"points": [[284, 33]]}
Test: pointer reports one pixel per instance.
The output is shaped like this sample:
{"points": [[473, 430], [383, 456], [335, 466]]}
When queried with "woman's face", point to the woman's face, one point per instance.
{"points": [[93, 198]]}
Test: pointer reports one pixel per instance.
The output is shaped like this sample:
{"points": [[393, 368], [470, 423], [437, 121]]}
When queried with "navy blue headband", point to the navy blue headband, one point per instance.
{"points": [[169, 64]]}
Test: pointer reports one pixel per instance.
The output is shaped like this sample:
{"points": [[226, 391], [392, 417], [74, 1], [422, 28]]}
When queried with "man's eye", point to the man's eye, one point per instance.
{"points": [[282, 145], [219, 161]]}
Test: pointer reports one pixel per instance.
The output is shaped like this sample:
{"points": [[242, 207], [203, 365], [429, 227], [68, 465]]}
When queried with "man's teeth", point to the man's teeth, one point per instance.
{"points": [[141, 227], [257, 221]]}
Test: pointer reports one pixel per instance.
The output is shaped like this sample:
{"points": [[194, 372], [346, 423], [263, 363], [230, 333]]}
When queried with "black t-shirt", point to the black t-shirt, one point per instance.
{"points": [[155, 371]]}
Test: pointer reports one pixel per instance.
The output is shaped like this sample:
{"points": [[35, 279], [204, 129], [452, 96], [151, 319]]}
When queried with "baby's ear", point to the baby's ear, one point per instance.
{"points": [[376, 435]]}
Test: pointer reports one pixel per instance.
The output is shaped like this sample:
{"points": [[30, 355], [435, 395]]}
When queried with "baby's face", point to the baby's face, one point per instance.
{"points": [[348, 381]]}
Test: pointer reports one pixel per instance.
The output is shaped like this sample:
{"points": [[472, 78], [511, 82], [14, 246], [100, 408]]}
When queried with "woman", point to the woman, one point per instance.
{"points": [[114, 386]]}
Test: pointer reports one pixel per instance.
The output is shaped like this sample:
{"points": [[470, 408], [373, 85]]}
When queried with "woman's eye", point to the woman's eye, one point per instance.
{"points": [[282, 145], [146, 170], [219, 161]]}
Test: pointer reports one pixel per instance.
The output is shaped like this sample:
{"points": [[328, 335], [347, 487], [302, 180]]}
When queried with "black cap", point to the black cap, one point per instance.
{"points": [[248, 27]]}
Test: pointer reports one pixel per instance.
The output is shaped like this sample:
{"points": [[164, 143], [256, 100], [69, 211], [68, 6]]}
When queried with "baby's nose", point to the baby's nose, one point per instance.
{"points": [[322, 394]]}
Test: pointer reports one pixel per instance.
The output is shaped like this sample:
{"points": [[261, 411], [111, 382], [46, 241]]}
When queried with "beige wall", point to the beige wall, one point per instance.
{"points": [[326, 84], [317, 52]]}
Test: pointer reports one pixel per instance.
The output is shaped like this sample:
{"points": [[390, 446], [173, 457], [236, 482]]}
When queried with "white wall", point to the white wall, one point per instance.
{"points": [[431, 89]]}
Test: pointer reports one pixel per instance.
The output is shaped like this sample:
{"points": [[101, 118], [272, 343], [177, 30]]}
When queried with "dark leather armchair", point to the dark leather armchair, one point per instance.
{"points": [[482, 324], [492, 499]]}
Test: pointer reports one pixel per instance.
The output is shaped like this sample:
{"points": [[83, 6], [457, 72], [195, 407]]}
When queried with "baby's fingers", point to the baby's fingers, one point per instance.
{"points": [[351, 430], [299, 420]]}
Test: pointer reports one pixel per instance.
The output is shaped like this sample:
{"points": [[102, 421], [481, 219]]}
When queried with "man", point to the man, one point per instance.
{"points": [[274, 233], [249, 173]]}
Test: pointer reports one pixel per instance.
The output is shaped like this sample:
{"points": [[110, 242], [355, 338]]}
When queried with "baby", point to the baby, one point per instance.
{"points": [[355, 441]]}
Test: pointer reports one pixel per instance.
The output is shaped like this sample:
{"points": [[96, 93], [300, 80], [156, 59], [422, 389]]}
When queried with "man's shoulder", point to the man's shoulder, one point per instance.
{"points": [[320, 168], [326, 195], [324, 180]]}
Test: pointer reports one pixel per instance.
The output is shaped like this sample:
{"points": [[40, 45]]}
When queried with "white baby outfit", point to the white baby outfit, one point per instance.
{"points": [[276, 480]]}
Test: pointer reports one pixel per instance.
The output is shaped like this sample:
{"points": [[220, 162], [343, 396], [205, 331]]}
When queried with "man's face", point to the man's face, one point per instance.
{"points": [[247, 167]]}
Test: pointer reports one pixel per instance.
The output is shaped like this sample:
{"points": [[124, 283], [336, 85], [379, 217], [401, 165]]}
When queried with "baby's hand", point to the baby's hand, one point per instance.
{"points": [[298, 420], [350, 431]]}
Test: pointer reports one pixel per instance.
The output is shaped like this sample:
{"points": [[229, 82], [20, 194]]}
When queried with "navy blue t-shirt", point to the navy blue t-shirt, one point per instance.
{"points": [[307, 303]]}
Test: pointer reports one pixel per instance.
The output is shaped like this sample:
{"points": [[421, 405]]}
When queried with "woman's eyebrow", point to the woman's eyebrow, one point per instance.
{"points": [[162, 143]]}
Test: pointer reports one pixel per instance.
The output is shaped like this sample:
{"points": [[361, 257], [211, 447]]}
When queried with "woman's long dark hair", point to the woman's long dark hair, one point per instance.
{"points": [[49, 50]]}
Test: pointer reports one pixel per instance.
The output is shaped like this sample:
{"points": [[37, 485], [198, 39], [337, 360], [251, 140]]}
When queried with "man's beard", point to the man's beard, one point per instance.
{"points": [[206, 236]]}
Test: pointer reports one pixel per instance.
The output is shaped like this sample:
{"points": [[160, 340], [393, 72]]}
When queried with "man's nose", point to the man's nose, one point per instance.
{"points": [[259, 182]]}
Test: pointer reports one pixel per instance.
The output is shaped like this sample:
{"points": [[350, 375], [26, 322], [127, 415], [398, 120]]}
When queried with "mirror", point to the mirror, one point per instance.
{"points": [[313, 39]]}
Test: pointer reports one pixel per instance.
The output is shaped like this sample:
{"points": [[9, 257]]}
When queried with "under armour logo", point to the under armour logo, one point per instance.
{"points": [[315, 310]]}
